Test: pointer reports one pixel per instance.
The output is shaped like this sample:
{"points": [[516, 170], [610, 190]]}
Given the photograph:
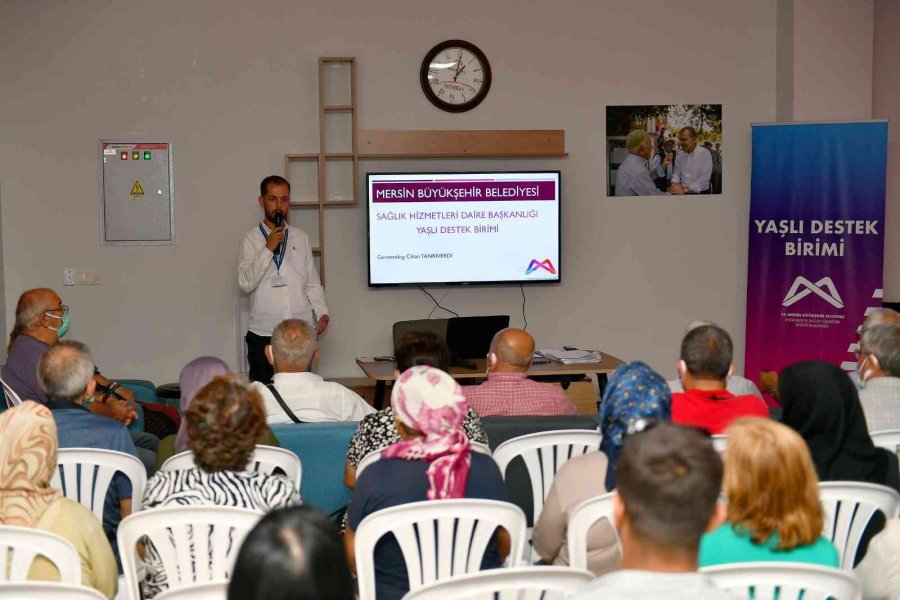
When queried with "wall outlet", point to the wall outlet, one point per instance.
{"points": [[87, 277], [68, 276]]}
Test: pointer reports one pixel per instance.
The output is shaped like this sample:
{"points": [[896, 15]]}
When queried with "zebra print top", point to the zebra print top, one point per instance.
{"points": [[196, 487]]}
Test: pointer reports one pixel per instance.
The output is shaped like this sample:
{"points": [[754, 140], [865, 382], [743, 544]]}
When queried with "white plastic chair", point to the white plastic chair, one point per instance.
{"points": [[438, 538], [265, 459], [187, 558], [849, 505], [720, 442], [45, 590], [784, 581], [19, 546], [544, 454], [888, 439], [214, 590], [84, 475], [12, 398], [375, 455], [583, 517], [522, 583]]}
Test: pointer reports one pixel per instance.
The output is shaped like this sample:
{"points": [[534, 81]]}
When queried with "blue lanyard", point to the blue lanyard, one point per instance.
{"points": [[278, 258]]}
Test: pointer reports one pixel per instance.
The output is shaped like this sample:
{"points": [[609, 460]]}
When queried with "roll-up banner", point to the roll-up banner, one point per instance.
{"points": [[816, 253]]}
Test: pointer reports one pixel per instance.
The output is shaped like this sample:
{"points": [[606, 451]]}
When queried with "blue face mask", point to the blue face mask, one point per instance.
{"points": [[63, 329]]}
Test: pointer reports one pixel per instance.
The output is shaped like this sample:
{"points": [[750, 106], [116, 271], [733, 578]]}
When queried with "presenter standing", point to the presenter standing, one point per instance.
{"points": [[276, 268]]}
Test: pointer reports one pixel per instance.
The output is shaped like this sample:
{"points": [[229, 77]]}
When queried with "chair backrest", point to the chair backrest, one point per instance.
{"points": [[438, 326], [784, 581], [12, 398], [720, 442], [582, 518], [849, 505], [45, 590], [214, 590], [265, 459], [888, 439], [375, 455], [521, 583], [84, 475], [438, 538], [187, 558], [19, 546], [544, 454]]}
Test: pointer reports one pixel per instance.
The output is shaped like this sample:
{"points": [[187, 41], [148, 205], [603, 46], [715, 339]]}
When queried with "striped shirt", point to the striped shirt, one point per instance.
{"points": [[514, 395], [196, 487]]}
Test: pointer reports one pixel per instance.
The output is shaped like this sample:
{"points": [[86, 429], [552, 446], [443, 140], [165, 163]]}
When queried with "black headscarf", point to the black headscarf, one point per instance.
{"points": [[821, 403]]}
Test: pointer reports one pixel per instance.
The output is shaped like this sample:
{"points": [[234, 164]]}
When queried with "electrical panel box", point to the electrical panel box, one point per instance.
{"points": [[138, 201]]}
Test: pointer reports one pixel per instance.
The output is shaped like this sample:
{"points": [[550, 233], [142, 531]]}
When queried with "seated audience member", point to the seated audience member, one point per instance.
{"points": [[292, 554], [879, 376], [297, 393], [193, 377], [433, 462], [66, 376], [820, 403], [774, 511], [225, 421], [879, 571], [704, 369], [508, 392], [28, 451], [41, 320], [377, 431], [635, 392], [736, 384], [669, 479]]}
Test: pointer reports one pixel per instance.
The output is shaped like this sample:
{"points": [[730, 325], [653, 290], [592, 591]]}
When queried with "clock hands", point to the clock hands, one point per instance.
{"points": [[459, 66]]}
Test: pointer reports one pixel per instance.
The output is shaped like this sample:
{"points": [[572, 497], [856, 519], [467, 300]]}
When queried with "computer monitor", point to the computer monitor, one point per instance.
{"points": [[470, 337]]}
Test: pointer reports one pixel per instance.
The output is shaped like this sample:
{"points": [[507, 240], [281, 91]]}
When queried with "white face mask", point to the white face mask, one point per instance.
{"points": [[863, 374]]}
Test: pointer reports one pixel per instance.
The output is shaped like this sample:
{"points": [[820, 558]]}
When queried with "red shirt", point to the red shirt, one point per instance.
{"points": [[714, 410], [513, 394]]}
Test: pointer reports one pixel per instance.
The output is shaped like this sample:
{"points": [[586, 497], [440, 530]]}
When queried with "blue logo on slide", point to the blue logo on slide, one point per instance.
{"points": [[544, 264]]}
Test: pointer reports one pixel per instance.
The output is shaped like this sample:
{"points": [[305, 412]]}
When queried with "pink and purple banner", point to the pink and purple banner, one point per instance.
{"points": [[816, 252]]}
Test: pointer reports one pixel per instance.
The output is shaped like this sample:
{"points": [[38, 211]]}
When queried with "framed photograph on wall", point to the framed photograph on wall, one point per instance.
{"points": [[658, 149]]}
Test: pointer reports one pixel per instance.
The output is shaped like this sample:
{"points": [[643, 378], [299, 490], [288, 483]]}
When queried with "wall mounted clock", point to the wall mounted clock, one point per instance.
{"points": [[455, 76]]}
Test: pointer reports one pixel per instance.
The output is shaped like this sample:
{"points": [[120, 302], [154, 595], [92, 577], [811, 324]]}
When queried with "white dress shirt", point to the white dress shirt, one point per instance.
{"points": [[311, 399], [737, 385], [302, 298], [693, 170], [880, 400]]}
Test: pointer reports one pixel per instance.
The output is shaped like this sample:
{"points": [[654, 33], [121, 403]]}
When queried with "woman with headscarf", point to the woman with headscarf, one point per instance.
{"points": [[821, 403], [634, 392], [28, 451], [194, 376], [433, 461]]}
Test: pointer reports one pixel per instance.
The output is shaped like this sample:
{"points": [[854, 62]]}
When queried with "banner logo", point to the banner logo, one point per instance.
{"points": [[544, 264], [823, 288]]}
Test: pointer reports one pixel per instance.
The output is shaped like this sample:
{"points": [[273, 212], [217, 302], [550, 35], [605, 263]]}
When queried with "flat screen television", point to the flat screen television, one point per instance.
{"points": [[463, 228]]}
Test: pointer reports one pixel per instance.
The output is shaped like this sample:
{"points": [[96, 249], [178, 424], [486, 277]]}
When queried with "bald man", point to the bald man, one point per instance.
{"points": [[507, 391], [633, 176]]}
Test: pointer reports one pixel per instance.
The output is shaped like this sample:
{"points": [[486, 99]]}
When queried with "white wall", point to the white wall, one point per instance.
{"points": [[233, 85]]}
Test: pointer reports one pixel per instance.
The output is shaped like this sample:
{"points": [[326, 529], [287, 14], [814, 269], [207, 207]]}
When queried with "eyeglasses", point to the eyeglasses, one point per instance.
{"points": [[63, 307]]}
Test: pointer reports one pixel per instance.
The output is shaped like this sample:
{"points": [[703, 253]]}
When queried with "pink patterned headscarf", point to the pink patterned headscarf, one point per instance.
{"points": [[430, 401]]}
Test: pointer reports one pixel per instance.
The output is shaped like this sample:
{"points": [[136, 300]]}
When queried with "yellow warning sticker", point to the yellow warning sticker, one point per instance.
{"points": [[136, 189]]}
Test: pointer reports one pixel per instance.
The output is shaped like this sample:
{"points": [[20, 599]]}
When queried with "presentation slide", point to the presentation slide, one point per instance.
{"points": [[463, 227]]}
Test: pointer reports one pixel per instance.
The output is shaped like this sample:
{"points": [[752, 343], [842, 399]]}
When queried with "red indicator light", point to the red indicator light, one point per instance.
{"points": [[123, 156]]}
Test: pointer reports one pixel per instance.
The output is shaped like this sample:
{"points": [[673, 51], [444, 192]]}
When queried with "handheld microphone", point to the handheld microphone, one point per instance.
{"points": [[279, 219]]}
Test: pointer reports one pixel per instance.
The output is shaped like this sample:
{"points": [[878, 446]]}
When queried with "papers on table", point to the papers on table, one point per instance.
{"points": [[569, 357]]}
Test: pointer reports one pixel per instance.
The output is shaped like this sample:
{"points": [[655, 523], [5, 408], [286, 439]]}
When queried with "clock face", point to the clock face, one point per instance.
{"points": [[455, 76]]}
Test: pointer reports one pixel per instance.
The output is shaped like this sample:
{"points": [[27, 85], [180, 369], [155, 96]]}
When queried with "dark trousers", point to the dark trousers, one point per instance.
{"points": [[260, 369]]}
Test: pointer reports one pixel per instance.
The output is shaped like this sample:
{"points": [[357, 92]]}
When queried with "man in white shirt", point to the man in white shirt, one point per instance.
{"points": [[879, 375], [693, 165], [298, 394], [276, 268], [668, 481]]}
